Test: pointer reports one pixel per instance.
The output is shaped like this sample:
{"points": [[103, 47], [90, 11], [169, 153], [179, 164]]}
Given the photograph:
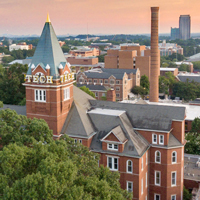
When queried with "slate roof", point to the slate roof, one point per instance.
{"points": [[48, 51], [106, 73], [93, 87], [118, 132], [151, 117], [190, 78], [21, 110], [136, 145], [77, 122]]}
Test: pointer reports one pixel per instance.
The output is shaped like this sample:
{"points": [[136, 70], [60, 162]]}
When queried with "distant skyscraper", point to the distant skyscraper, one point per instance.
{"points": [[184, 27], [174, 33]]}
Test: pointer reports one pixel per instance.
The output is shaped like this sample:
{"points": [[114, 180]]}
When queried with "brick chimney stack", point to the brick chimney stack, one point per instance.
{"points": [[155, 68], [111, 96]]}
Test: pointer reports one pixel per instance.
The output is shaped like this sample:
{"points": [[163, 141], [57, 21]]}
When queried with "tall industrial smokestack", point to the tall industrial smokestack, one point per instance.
{"points": [[155, 56]]}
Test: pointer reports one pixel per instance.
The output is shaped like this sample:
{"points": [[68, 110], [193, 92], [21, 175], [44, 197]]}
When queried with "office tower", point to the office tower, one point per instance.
{"points": [[184, 27], [174, 33]]}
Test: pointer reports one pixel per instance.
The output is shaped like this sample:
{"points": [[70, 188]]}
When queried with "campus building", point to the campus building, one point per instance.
{"points": [[184, 27], [144, 143], [85, 52], [21, 46], [120, 80]]}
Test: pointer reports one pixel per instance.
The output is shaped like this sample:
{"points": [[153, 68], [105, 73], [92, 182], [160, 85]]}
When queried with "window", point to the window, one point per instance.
{"points": [[113, 163], [112, 146], [40, 95], [81, 80], [161, 139], [103, 94], [157, 157], [90, 80], [95, 81], [173, 197], [142, 163], [80, 141], [146, 158], [129, 186], [100, 81], [117, 82], [129, 166], [106, 81], [156, 197], [154, 138], [117, 89], [157, 178], [146, 179], [117, 95], [112, 81], [66, 93], [75, 140], [142, 186], [174, 157], [173, 178], [96, 94]]}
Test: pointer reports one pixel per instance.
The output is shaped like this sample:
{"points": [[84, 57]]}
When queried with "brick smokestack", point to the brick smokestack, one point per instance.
{"points": [[155, 68], [111, 96]]}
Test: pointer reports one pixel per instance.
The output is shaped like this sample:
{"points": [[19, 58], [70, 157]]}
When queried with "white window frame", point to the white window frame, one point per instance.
{"points": [[80, 141], [156, 156], [146, 179], [117, 88], [142, 186], [147, 158], [111, 146], [127, 166], [66, 93], [117, 82], [96, 94], [162, 143], [117, 95], [42, 95], [153, 138], [173, 162], [142, 167], [155, 178], [127, 184], [173, 195], [155, 196], [173, 184], [113, 159], [75, 140]]}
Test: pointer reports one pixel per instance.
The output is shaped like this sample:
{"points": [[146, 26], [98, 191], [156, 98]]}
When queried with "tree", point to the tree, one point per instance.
{"points": [[11, 89], [186, 194], [101, 57], [65, 48], [7, 59], [60, 169], [144, 82], [163, 85], [139, 90], [85, 89], [184, 67], [1, 104]]}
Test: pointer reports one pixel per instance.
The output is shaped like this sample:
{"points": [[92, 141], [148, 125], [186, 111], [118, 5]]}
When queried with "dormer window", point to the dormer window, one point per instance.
{"points": [[113, 147]]}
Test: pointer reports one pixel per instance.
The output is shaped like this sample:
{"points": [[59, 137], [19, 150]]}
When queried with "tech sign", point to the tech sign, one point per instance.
{"points": [[47, 79]]}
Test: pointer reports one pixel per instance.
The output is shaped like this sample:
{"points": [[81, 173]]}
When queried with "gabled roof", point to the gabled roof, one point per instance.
{"points": [[151, 117], [118, 133], [48, 51], [77, 122]]}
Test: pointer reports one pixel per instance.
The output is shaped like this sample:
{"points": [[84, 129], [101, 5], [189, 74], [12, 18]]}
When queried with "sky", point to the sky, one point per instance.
{"points": [[24, 17]]}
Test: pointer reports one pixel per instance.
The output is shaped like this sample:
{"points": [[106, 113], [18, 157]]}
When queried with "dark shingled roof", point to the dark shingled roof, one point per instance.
{"points": [[151, 117], [48, 51], [93, 87], [21, 110], [136, 144], [77, 122], [184, 78], [106, 73]]}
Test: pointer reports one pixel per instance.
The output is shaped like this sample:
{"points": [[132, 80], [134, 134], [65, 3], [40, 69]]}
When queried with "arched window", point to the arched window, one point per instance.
{"points": [[157, 157], [129, 166], [174, 157]]}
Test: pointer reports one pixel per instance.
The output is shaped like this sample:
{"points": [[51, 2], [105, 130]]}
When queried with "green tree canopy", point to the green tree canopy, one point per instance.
{"points": [[144, 82], [11, 89], [139, 90], [46, 169], [85, 89], [184, 67], [7, 59]]}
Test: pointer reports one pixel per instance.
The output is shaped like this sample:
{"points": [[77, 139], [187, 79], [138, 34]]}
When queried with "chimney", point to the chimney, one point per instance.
{"points": [[155, 68], [111, 96]]}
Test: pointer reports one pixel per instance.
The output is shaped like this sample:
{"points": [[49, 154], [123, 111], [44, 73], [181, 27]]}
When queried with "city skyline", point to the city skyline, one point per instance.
{"points": [[101, 17]]}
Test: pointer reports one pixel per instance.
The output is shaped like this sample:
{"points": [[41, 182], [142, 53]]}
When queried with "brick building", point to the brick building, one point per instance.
{"points": [[144, 143], [83, 63], [121, 80], [85, 52], [129, 56]]}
